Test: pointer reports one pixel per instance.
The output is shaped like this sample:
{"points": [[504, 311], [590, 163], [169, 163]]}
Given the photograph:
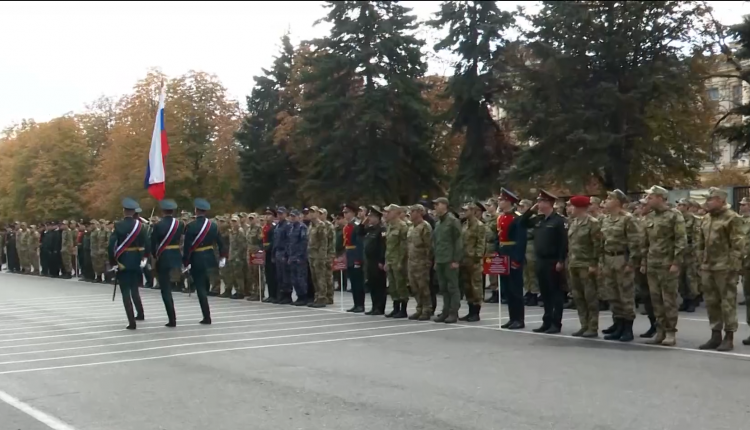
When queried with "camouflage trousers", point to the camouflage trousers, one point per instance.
{"points": [[398, 283], [22, 259], [619, 285], [746, 292], [662, 285], [100, 264], [419, 281], [583, 286], [251, 273], [689, 277], [720, 293], [320, 270], [215, 277], [67, 262], [234, 276], [530, 282], [34, 261], [492, 280], [470, 273]]}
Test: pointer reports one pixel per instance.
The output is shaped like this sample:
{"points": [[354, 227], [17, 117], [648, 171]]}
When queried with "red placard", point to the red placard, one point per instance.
{"points": [[339, 263], [497, 265], [258, 258]]}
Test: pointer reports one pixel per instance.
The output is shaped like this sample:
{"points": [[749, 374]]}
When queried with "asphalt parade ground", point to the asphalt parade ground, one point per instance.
{"points": [[66, 363]]}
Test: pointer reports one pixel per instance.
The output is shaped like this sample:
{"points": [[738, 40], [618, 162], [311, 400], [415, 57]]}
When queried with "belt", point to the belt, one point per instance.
{"points": [[266, 243], [614, 254], [204, 248], [172, 247], [351, 247], [507, 243], [134, 249]]}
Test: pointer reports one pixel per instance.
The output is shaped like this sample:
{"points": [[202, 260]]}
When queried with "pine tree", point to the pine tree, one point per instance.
{"points": [[475, 36], [268, 173], [364, 114], [610, 90], [734, 126]]}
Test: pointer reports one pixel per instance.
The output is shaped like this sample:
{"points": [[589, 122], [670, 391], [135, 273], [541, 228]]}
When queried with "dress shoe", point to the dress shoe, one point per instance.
{"points": [[285, 301], [494, 298], [140, 318], [516, 325], [130, 327], [206, 321], [226, 295], [171, 324], [542, 329], [359, 310], [507, 324], [370, 312], [378, 312], [237, 296], [553, 330], [212, 294], [352, 309], [268, 300], [300, 302], [533, 300], [251, 298]]}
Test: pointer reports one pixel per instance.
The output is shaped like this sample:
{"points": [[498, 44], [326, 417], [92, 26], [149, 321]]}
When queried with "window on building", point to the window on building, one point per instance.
{"points": [[713, 93], [737, 94]]}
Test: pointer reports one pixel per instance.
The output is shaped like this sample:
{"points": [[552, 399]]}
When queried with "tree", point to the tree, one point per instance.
{"points": [[446, 144], [364, 115], [475, 36], [609, 90], [268, 173]]}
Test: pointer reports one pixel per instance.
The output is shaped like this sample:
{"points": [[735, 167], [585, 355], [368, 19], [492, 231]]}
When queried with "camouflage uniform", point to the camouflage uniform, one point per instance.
{"points": [[474, 235], [21, 248], [66, 251], [664, 242], [103, 244], [96, 263], [419, 240], [320, 255], [530, 282], [621, 247], [584, 251], [720, 244], [216, 276], [234, 272], [34, 250], [332, 255], [746, 266], [395, 259], [253, 237]]}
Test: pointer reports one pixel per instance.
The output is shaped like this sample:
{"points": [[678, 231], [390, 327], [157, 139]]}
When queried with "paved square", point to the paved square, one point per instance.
{"points": [[67, 363]]}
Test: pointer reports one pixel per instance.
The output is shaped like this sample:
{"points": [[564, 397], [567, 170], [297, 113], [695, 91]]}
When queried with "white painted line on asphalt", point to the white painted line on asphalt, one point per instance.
{"points": [[128, 335], [62, 299], [42, 417], [164, 340], [151, 328], [109, 304], [241, 348]]}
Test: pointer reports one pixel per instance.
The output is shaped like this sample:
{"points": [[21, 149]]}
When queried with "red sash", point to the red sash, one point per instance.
{"points": [[201, 235], [121, 248], [168, 239]]}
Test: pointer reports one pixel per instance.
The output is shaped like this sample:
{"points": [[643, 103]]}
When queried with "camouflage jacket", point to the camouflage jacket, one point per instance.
{"points": [[94, 241], [664, 238], [692, 228], [395, 243], [621, 235], [254, 238], [68, 241], [332, 251], [584, 242], [103, 244], [419, 238], [237, 246], [720, 242], [318, 245], [21, 240], [474, 235]]}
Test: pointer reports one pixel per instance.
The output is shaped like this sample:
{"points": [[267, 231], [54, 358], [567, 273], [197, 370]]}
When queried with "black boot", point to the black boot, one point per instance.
{"points": [[627, 331], [533, 300], [617, 333], [469, 315], [494, 298], [651, 331], [690, 306], [402, 310], [396, 306], [603, 305], [613, 328], [683, 305], [474, 317]]}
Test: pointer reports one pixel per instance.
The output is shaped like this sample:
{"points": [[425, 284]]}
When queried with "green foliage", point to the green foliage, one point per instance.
{"points": [[738, 131]]}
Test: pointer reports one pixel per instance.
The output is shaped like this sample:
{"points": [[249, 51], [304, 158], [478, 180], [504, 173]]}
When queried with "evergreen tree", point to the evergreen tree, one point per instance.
{"points": [[475, 36], [268, 174], [610, 90], [364, 113], [734, 125]]}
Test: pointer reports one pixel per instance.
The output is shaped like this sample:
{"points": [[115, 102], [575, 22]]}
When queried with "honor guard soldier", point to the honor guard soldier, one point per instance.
{"points": [[511, 235], [198, 253], [267, 233], [126, 251], [165, 247], [354, 257]]}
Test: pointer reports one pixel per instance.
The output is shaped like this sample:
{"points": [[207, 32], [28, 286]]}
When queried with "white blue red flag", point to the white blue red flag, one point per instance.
{"points": [[156, 176]]}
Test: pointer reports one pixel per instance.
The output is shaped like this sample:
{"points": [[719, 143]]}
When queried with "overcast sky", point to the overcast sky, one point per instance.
{"points": [[55, 57]]}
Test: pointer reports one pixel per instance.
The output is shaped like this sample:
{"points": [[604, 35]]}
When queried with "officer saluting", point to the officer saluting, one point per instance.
{"points": [[165, 247], [198, 253], [126, 251]]}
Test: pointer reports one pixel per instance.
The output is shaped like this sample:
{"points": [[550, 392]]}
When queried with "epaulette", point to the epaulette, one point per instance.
{"points": [[518, 213]]}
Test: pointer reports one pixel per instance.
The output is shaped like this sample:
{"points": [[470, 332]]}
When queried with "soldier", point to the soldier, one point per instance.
{"points": [[165, 248], [87, 266], [640, 279], [280, 245], [584, 252], [448, 250], [530, 283], [320, 253], [2, 246], [396, 250], [745, 213], [235, 271], [491, 222], [332, 253], [297, 256], [720, 246], [254, 239], [67, 250], [688, 282], [595, 209], [551, 250], [372, 235], [419, 263], [621, 251], [34, 244], [217, 276], [11, 246], [267, 234], [200, 238], [126, 250], [21, 248], [474, 234], [664, 242], [512, 242], [352, 243]]}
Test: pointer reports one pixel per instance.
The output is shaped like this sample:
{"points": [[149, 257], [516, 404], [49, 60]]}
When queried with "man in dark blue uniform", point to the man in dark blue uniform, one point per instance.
{"points": [[270, 268], [165, 247], [198, 252], [512, 242], [280, 243], [126, 251], [296, 252], [354, 258]]}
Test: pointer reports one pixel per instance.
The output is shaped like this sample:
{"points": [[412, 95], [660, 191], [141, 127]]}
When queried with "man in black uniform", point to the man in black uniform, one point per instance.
{"points": [[45, 255], [127, 252], [198, 253], [372, 232], [165, 247], [269, 268], [55, 258], [551, 250]]}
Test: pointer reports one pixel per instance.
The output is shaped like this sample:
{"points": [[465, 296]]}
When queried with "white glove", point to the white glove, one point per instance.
{"points": [[222, 262], [144, 262], [186, 269], [114, 268]]}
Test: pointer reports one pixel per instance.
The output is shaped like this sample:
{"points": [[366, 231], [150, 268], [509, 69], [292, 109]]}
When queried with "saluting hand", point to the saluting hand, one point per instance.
{"points": [[559, 267], [674, 269]]}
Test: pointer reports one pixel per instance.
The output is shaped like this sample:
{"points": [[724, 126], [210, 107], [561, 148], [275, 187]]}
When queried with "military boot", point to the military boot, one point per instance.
{"points": [[401, 310], [670, 339], [474, 317], [227, 294], [714, 342], [690, 306], [746, 341], [579, 333], [533, 300], [452, 318], [494, 298], [651, 330], [442, 317], [415, 316], [660, 336], [728, 343], [627, 331], [616, 325], [396, 306], [683, 305], [469, 315], [617, 333], [425, 316]]}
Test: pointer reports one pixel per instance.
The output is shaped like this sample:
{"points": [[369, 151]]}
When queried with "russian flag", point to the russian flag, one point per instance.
{"points": [[155, 172]]}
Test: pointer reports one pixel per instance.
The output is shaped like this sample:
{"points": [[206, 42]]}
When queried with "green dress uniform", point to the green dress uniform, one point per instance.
{"points": [[126, 249], [448, 249], [165, 247], [201, 236]]}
